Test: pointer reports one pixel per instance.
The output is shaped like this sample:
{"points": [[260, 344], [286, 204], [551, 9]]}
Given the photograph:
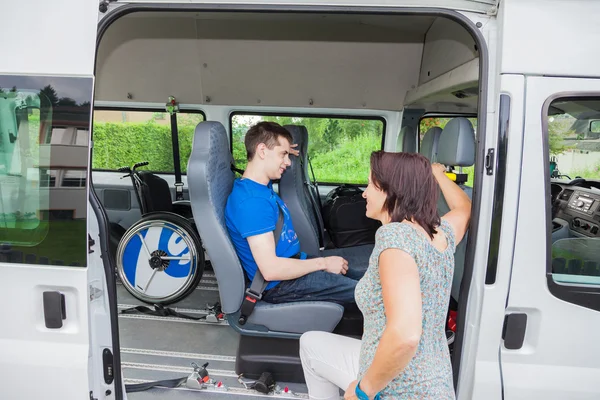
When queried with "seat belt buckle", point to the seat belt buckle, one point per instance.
{"points": [[178, 191], [250, 300], [252, 297]]}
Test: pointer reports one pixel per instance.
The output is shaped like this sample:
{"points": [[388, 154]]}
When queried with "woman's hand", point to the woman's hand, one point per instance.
{"points": [[437, 169], [351, 391]]}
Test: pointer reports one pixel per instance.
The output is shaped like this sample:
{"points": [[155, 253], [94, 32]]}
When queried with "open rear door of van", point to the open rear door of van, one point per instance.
{"points": [[55, 336]]}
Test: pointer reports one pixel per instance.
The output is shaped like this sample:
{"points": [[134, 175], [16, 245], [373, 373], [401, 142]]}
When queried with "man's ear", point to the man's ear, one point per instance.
{"points": [[260, 150]]}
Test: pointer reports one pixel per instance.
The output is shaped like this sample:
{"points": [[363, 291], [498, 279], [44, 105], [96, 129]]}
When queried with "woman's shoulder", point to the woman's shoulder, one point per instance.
{"points": [[391, 230], [395, 235]]}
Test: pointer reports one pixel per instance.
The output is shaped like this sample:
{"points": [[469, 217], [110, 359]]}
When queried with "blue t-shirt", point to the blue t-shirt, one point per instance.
{"points": [[252, 209]]}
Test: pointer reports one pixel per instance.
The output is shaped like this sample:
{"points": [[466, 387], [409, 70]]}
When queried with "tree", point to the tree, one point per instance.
{"points": [[49, 96], [67, 102]]}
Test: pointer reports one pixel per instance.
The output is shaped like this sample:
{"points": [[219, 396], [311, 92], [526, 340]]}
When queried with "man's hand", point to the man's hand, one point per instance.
{"points": [[351, 391], [293, 150], [336, 265]]}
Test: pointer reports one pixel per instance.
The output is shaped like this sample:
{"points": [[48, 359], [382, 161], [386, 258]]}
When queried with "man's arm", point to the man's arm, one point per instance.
{"points": [[275, 268]]}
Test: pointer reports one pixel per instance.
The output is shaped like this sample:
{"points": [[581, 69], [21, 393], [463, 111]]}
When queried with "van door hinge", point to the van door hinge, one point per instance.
{"points": [[91, 242], [108, 366], [489, 162], [513, 331]]}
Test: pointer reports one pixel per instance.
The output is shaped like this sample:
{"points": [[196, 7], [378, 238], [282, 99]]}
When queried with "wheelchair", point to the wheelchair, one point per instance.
{"points": [[160, 258]]}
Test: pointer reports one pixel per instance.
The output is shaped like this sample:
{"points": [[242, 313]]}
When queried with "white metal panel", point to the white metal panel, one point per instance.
{"points": [[447, 46], [550, 37], [226, 63], [48, 37], [558, 359], [487, 377], [37, 362], [479, 6]]}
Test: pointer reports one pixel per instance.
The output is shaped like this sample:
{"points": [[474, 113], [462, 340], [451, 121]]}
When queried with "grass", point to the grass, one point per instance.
{"points": [[64, 241]]}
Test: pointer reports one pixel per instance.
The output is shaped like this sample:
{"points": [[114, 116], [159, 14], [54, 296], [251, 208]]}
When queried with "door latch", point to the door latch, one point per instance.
{"points": [[513, 331], [489, 162], [55, 310]]}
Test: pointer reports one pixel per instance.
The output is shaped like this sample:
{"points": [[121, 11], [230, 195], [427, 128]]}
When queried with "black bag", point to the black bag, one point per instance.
{"points": [[344, 217]]}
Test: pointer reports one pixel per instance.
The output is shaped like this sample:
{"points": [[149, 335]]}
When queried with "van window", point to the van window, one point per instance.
{"points": [[339, 148], [124, 137], [574, 154], [44, 139], [429, 122]]}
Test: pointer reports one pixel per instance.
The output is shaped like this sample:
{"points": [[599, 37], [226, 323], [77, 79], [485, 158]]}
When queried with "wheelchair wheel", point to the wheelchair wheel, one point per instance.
{"points": [[160, 259]]}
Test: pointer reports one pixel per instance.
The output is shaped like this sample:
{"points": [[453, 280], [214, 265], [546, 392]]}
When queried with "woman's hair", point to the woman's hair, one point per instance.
{"points": [[411, 189]]}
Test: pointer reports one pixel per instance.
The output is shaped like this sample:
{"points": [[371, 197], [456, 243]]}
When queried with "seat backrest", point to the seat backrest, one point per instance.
{"points": [[296, 191], [429, 144], [456, 147], [210, 180], [156, 193], [407, 140]]}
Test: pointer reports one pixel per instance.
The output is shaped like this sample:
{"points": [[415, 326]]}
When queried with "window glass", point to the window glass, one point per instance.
{"points": [[43, 169], [574, 147], [123, 138], [429, 122], [339, 148]]}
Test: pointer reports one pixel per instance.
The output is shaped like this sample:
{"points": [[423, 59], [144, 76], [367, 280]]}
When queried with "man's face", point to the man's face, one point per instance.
{"points": [[277, 159]]}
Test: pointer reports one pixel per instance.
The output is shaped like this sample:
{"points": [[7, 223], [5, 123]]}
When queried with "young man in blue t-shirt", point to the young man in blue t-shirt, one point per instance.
{"points": [[251, 215]]}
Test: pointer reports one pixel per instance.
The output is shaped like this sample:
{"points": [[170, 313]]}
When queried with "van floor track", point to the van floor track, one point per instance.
{"points": [[158, 348]]}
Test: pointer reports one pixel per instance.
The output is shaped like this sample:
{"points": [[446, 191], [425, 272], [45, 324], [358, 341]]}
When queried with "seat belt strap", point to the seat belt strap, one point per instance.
{"points": [[239, 171], [161, 311], [315, 203], [167, 383], [173, 109], [258, 285], [314, 180]]}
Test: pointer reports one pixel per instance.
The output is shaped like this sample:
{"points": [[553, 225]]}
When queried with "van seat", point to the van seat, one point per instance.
{"points": [[456, 148], [210, 180], [429, 144], [407, 140]]}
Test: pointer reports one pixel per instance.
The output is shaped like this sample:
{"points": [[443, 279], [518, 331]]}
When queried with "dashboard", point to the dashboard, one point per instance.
{"points": [[576, 207]]}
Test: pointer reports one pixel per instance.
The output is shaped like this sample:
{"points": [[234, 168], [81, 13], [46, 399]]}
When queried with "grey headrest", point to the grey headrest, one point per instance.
{"points": [[300, 137], [457, 143], [210, 181], [407, 140], [429, 144]]}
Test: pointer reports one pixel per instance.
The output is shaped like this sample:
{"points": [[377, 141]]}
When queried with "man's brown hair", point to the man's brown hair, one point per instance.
{"points": [[267, 133]]}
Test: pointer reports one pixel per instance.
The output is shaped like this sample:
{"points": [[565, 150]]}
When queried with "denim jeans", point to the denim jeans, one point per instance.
{"points": [[323, 285]]}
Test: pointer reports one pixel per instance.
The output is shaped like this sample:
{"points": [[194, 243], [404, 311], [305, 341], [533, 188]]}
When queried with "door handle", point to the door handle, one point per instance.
{"points": [[513, 331], [54, 309]]}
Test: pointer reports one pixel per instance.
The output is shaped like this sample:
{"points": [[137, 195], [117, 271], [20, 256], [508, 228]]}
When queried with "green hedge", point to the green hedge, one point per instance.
{"points": [[122, 144]]}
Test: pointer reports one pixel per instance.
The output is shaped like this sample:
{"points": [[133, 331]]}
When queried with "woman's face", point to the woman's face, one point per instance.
{"points": [[375, 199]]}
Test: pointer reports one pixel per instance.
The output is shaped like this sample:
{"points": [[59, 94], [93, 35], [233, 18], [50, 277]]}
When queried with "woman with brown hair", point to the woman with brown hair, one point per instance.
{"points": [[404, 294]]}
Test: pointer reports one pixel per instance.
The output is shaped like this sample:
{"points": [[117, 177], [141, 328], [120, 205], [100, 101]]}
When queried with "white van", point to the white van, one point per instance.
{"points": [[88, 87]]}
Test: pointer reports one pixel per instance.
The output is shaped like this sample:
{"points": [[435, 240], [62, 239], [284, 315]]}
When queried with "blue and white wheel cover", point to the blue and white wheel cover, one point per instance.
{"points": [[177, 255]]}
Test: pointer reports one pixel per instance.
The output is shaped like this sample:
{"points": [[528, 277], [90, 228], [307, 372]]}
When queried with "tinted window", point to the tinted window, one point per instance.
{"points": [[339, 148], [124, 137], [574, 147], [44, 136]]}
